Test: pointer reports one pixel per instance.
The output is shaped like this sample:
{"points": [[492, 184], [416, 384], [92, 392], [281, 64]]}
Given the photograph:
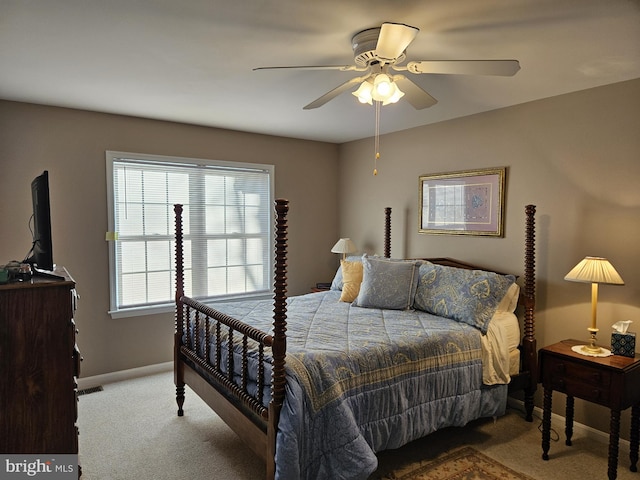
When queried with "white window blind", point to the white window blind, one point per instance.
{"points": [[227, 227]]}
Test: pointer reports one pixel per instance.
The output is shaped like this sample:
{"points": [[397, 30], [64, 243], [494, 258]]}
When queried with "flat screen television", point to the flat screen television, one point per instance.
{"points": [[40, 257]]}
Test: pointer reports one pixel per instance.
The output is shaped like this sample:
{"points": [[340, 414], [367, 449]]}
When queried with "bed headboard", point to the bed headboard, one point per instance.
{"points": [[452, 262], [449, 262], [527, 300], [529, 277]]}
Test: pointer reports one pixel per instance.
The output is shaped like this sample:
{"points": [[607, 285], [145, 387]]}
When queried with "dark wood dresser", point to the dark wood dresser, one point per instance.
{"points": [[39, 366]]}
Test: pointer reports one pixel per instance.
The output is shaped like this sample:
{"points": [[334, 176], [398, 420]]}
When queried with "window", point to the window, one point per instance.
{"points": [[227, 226]]}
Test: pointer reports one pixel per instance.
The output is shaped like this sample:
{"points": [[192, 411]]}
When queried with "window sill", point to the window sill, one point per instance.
{"points": [[171, 307]]}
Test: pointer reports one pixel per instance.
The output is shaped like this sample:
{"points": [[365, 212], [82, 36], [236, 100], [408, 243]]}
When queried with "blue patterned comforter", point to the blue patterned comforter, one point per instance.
{"points": [[362, 380]]}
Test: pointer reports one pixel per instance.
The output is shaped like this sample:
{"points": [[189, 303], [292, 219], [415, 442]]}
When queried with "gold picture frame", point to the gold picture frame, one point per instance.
{"points": [[463, 203]]}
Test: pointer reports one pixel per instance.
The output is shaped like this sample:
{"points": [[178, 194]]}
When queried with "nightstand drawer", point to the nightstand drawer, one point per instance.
{"points": [[578, 380]]}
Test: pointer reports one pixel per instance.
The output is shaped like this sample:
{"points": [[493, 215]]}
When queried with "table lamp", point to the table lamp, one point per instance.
{"points": [[594, 270], [344, 246]]}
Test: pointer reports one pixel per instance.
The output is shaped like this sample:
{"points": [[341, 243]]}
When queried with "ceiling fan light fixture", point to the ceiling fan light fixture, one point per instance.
{"points": [[382, 87], [387, 91], [395, 96], [363, 93], [380, 50]]}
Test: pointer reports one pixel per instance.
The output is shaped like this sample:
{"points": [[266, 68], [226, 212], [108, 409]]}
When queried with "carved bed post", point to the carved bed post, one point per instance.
{"points": [[529, 351], [279, 346], [178, 373], [387, 232]]}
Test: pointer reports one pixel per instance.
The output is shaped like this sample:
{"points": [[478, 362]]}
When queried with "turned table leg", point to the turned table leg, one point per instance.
{"points": [[546, 423], [180, 399], [568, 427], [634, 437], [614, 438]]}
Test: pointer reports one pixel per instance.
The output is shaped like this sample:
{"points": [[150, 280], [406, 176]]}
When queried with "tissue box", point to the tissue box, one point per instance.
{"points": [[623, 344]]}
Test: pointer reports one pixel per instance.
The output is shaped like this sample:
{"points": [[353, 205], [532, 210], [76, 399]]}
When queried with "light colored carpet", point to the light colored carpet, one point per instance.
{"points": [[131, 431]]}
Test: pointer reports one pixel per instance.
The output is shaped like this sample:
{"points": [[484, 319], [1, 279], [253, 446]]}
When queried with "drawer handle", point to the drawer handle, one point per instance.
{"points": [[595, 376], [76, 361], [560, 367], [596, 393]]}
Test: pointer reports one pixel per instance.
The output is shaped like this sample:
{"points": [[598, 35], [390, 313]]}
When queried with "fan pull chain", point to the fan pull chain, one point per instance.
{"points": [[377, 139]]}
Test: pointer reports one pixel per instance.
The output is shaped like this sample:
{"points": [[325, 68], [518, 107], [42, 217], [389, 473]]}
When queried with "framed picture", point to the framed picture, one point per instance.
{"points": [[463, 203]]}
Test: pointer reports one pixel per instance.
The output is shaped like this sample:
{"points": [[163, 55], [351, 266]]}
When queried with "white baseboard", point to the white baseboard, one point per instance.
{"points": [[97, 380], [578, 428]]}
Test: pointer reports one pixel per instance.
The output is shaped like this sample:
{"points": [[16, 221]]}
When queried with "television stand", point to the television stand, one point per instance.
{"points": [[37, 272]]}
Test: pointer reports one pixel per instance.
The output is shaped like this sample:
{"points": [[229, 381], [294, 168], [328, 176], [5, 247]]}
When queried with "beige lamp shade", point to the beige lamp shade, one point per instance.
{"points": [[344, 246], [594, 270]]}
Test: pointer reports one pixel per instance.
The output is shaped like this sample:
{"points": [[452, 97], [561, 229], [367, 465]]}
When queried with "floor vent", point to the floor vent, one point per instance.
{"points": [[87, 391]]}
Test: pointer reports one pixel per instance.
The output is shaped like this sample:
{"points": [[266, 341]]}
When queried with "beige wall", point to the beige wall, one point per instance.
{"points": [[577, 157], [71, 144]]}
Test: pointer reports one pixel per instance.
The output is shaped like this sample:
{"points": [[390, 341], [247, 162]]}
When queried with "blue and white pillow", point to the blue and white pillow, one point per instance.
{"points": [[386, 283], [468, 296]]}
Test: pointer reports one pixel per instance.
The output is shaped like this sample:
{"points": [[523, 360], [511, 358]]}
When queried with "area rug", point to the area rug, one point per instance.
{"points": [[463, 464]]}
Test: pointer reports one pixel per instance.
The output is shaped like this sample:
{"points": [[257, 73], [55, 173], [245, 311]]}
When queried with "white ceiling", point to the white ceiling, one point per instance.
{"points": [[191, 61]]}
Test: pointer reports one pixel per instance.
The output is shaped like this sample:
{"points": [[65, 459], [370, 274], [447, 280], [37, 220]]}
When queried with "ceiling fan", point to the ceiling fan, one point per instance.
{"points": [[380, 50]]}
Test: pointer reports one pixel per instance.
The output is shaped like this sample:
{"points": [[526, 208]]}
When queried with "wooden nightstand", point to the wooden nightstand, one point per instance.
{"points": [[613, 382], [321, 287]]}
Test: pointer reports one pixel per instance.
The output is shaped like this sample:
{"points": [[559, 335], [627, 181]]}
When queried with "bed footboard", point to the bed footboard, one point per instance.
{"points": [[206, 330], [226, 361]]}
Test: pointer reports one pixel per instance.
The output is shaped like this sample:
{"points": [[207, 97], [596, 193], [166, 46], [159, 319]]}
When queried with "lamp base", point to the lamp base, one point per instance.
{"points": [[587, 351], [592, 350]]}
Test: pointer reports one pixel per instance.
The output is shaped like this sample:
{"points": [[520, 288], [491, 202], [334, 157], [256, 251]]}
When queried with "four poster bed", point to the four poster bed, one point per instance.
{"points": [[317, 384]]}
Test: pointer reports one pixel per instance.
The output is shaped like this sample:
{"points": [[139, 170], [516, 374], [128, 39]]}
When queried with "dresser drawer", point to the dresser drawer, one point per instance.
{"points": [[578, 380]]}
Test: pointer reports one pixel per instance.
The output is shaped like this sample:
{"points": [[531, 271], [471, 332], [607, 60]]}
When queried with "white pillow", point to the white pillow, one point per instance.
{"points": [[510, 300]]}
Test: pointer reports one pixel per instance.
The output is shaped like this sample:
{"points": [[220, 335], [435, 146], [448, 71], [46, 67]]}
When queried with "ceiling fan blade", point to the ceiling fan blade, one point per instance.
{"points": [[344, 68], [505, 68], [335, 92], [394, 39], [413, 94]]}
